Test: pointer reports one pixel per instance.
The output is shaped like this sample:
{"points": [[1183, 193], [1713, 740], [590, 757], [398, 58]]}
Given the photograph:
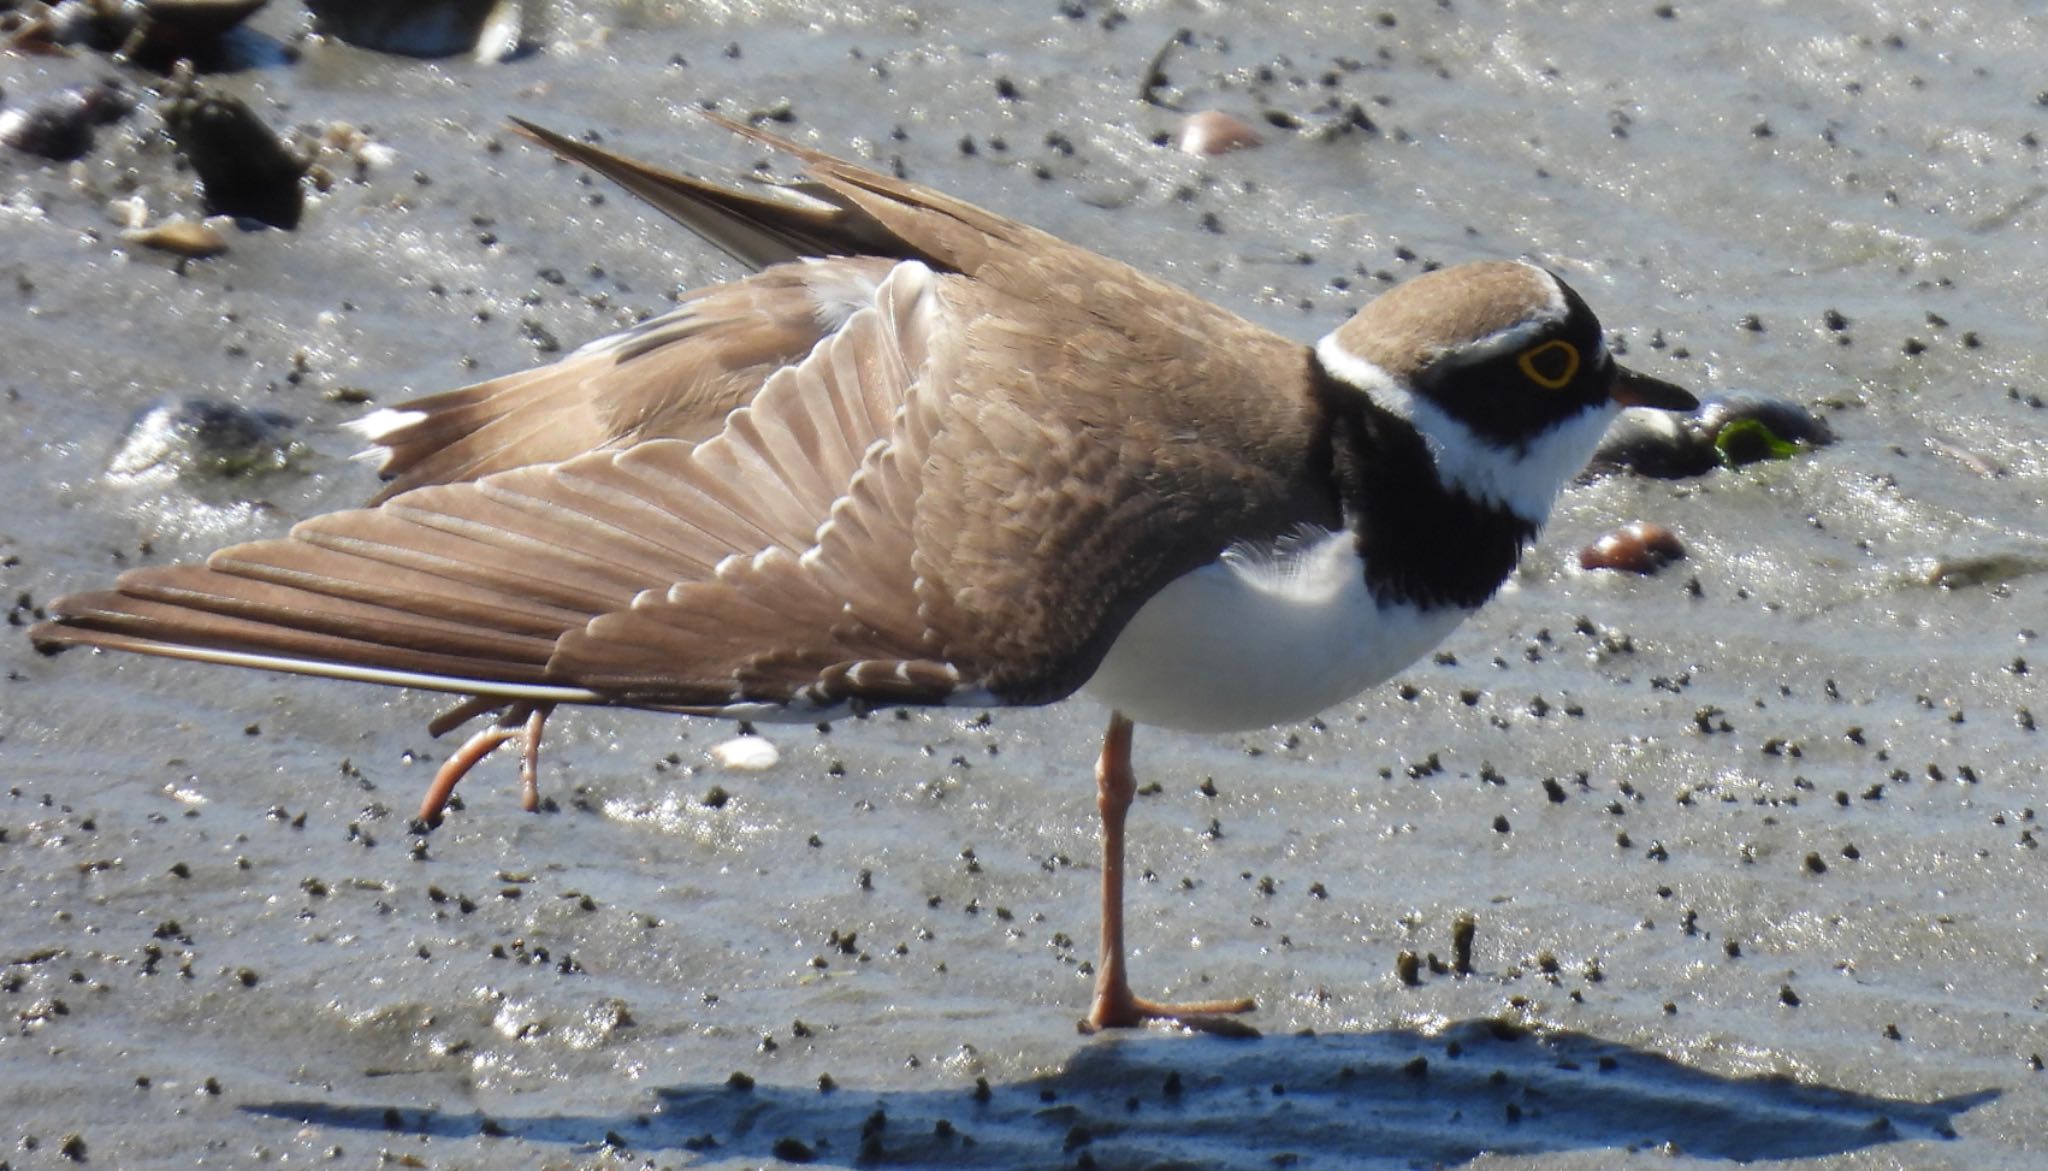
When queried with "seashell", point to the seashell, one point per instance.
{"points": [[1639, 547], [1213, 132], [1653, 443], [487, 30], [751, 754], [132, 212], [187, 238], [1746, 427], [375, 156], [1728, 430]]}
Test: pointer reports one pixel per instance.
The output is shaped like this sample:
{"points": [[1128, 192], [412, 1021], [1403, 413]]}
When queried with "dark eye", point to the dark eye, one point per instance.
{"points": [[1551, 365]]}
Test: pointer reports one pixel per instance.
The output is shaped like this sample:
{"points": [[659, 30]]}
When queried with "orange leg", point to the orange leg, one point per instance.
{"points": [[1115, 1006], [457, 767], [481, 745], [529, 758]]}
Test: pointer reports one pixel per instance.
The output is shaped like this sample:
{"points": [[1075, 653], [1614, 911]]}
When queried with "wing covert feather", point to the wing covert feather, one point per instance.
{"points": [[675, 376]]}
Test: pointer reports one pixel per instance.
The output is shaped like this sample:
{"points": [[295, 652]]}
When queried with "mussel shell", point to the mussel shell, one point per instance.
{"points": [[1786, 419], [1671, 447], [1656, 444], [490, 30]]}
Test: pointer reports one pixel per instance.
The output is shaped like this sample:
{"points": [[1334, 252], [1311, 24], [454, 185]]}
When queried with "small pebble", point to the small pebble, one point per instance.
{"points": [[1408, 968], [60, 127], [244, 169], [199, 440]]}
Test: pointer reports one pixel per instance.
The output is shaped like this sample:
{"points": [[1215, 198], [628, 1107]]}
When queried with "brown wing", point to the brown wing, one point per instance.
{"points": [[758, 231], [491, 587], [677, 376], [674, 377], [844, 209], [877, 214]]}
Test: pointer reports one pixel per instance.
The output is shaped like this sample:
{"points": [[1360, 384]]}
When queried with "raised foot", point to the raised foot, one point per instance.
{"points": [[481, 745], [1126, 1011]]}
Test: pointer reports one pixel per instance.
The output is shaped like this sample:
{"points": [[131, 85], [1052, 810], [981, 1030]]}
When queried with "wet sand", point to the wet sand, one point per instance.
{"points": [[1750, 846]]}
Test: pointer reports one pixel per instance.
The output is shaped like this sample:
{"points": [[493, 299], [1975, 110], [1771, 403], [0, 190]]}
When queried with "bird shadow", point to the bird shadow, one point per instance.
{"points": [[1395, 1097]]}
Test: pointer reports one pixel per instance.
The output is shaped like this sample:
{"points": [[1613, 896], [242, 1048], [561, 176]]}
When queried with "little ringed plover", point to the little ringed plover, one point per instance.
{"points": [[926, 455]]}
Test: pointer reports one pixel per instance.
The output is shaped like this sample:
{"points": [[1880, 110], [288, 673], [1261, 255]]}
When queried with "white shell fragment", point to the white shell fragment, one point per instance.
{"points": [[746, 754], [187, 238]]}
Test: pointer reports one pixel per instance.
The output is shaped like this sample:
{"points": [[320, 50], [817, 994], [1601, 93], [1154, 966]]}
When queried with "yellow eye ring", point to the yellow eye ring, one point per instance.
{"points": [[1549, 354]]}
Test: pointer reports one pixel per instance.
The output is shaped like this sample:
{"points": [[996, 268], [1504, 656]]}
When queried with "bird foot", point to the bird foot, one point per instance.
{"points": [[1121, 1010], [532, 717]]}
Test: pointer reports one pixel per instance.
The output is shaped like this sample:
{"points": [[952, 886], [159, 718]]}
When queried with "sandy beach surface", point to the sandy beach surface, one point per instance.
{"points": [[1750, 847]]}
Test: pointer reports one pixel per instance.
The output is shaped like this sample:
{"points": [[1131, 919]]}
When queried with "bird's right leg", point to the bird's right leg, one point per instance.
{"points": [[1115, 1006]]}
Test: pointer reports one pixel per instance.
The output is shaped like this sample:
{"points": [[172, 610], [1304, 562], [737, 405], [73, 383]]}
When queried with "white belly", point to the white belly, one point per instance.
{"points": [[1253, 640]]}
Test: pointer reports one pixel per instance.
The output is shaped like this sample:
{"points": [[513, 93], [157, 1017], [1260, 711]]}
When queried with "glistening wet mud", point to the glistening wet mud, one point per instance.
{"points": [[1760, 828]]}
